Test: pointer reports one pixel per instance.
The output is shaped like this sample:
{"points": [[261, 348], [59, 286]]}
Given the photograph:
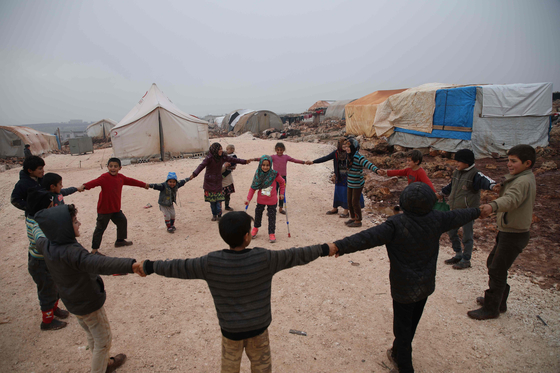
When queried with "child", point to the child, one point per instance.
{"points": [[280, 161], [47, 292], [464, 191], [53, 184], [167, 197], [356, 180], [266, 182], [109, 204], [76, 273], [413, 172], [213, 191], [412, 241], [240, 281], [514, 218], [227, 181], [30, 177], [27, 151], [341, 164]]}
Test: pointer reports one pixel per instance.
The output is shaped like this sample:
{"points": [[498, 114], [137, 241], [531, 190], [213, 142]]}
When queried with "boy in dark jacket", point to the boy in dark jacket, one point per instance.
{"points": [[167, 197], [240, 283], [412, 241], [53, 185], [76, 273], [31, 176], [464, 191]]}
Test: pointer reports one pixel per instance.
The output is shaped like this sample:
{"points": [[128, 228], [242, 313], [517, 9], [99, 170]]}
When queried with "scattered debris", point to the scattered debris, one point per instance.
{"points": [[298, 332]]}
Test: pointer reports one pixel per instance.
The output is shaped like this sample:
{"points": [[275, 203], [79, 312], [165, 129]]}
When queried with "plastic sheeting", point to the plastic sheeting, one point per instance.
{"points": [[336, 109], [138, 134], [517, 100], [257, 121]]}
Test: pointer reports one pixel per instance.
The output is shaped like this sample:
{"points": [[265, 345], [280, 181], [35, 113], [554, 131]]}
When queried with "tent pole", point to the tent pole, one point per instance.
{"points": [[161, 148]]}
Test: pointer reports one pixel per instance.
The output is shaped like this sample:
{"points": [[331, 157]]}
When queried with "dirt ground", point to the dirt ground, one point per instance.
{"points": [[346, 310]]}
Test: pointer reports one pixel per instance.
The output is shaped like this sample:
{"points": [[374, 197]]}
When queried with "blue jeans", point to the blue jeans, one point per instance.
{"points": [[467, 241], [216, 208]]}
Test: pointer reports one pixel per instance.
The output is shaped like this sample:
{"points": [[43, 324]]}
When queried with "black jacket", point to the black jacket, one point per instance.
{"points": [[19, 194], [412, 241], [74, 270]]}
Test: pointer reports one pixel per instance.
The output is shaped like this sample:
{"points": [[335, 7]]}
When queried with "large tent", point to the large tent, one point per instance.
{"points": [[14, 138], [156, 128], [258, 121], [487, 119], [336, 110], [360, 114], [101, 129], [230, 120]]}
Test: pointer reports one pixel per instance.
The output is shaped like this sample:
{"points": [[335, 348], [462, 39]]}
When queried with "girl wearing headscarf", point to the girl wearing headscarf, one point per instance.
{"points": [[265, 181], [213, 191], [341, 164], [357, 163]]}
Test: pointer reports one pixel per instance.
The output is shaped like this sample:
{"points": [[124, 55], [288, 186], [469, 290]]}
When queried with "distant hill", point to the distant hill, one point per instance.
{"points": [[64, 127]]}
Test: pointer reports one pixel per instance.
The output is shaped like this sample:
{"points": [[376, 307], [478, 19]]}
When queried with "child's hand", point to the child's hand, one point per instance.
{"points": [[192, 176], [246, 203], [147, 186], [308, 162], [281, 198], [485, 211], [496, 188], [439, 196], [333, 250], [382, 172], [249, 161], [226, 164], [138, 269]]}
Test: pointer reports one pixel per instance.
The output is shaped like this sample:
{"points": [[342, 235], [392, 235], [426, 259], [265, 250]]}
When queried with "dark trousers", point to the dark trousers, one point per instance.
{"points": [[281, 202], [405, 321], [216, 208], [227, 199], [117, 218], [271, 209], [508, 246], [354, 203], [46, 288]]}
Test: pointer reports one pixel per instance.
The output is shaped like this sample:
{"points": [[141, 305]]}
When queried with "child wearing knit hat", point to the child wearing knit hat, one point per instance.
{"points": [[463, 192], [167, 197]]}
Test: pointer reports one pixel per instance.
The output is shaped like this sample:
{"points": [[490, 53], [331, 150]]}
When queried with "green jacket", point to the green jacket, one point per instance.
{"points": [[516, 201]]}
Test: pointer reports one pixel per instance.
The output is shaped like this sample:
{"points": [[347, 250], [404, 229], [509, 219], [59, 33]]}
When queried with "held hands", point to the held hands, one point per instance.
{"points": [[496, 188], [485, 211], [308, 162], [333, 250], [226, 164], [382, 172], [138, 269], [439, 196], [147, 186], [81, 188]]}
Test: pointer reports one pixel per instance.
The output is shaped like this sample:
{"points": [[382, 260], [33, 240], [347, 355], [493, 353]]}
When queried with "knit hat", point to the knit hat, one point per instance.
{"points": [[465, 156], [171, 176]]}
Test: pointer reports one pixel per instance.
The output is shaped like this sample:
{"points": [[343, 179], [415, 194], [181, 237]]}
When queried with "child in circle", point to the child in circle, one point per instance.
{"points": [[167, 197]]}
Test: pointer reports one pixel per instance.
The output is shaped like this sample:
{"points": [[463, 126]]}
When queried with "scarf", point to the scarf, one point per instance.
{"points": [[214, 149], [262, 179]]}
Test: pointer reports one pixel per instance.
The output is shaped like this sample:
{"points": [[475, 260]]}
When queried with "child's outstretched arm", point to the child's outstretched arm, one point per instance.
{"points": [[137, 183], [481, 181], [296, 256], [159, 186], [177, 268], [82, 260], [250, 196], [367, 239], [67, 191], [457, 218], [367, 164], [183, 182], [326, 158]]}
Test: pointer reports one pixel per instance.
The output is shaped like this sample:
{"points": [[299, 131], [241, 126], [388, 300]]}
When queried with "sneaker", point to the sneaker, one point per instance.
{"points": [[173, 227], [170, 230], [272, 238], [228, 208], [453, 260], [53, 325], [254, 232], [60, 313], [282, 211], [122, 243], [354, 224], [462, 264], [214, 218], [349, 221], [482, 314], [115, 362]]}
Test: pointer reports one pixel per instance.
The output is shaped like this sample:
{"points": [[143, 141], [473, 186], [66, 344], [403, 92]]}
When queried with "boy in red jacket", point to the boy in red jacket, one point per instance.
{"points": [[413, 172], [109, 204]]}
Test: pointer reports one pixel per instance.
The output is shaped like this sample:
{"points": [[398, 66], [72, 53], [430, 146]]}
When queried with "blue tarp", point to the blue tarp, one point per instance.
{"points": [[454, 107]]}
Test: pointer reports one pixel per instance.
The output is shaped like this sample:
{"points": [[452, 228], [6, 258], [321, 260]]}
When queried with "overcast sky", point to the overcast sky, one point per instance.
{"points": [[62, 60]]}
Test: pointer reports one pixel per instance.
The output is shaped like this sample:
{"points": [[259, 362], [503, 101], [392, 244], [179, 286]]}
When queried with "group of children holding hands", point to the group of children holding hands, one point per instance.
{"points": [[239, 278]]}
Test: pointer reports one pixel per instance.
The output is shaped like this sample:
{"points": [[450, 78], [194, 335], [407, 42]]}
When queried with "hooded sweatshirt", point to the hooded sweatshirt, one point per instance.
{"points": [[412, 241], [19, 194], [74, 270]]}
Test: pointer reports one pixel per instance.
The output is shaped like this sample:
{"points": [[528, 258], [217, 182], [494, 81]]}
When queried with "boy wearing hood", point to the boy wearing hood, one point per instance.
{"points": [[167, 197], [76, 273], [412, 241]]}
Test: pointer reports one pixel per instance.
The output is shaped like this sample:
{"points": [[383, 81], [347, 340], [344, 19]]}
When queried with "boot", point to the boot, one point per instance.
{"points": [[490, 310], [59, 312], [503, 304], [454, 260]]}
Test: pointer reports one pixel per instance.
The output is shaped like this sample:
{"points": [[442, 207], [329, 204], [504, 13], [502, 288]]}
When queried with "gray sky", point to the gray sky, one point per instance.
{"points": [[62, 60]]}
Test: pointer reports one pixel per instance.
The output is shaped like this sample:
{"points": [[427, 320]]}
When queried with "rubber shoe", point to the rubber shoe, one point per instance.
{"points": [[122, 243], [254, 232], [115, 363], [354, 224], [60, 313], [462, 264], [272, 238], [54, 325], [482, 314], [349, 221], [170, 230], [453, 260]]}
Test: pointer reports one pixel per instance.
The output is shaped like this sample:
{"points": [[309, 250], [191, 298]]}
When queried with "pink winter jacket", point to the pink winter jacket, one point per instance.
{"points": [[268, 200]]}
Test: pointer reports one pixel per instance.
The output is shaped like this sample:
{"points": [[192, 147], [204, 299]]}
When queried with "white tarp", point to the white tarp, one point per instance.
{"points": [[101, 129], [241, 113], [517, 100], [138, 134]]}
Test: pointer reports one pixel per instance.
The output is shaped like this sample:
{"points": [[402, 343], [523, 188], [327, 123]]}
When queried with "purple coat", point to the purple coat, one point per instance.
{"points": [[213, 175]]}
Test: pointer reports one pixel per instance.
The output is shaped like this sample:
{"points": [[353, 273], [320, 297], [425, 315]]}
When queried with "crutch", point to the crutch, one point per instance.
{"points": [[286, 209]]}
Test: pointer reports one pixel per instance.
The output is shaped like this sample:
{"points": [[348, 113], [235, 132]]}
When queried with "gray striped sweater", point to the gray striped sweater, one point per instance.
{"points": [[240, 282]]}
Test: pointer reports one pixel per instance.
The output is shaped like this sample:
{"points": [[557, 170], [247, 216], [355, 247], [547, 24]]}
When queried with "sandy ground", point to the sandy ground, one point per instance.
{"points": [[346, 310]]}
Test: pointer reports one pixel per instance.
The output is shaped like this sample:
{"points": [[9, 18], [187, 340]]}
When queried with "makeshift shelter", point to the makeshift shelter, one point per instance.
{"points": [[487, 119], [230, 120], [101, 129], [336, 109], [156, 128], [218, 121], [14, 138], [319, 109], [258, 121]]}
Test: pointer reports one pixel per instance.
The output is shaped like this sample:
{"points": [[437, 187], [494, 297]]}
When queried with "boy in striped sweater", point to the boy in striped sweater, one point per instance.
{"points": [[240, 281]]}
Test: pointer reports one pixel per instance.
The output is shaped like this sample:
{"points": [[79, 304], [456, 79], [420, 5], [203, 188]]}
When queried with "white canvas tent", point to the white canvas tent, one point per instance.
{"points": [[14, 138], [156, 128], [101, 129]]}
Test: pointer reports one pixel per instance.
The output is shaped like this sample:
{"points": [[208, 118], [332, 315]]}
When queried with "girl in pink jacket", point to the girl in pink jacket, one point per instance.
{"points": [[265, 181]]}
